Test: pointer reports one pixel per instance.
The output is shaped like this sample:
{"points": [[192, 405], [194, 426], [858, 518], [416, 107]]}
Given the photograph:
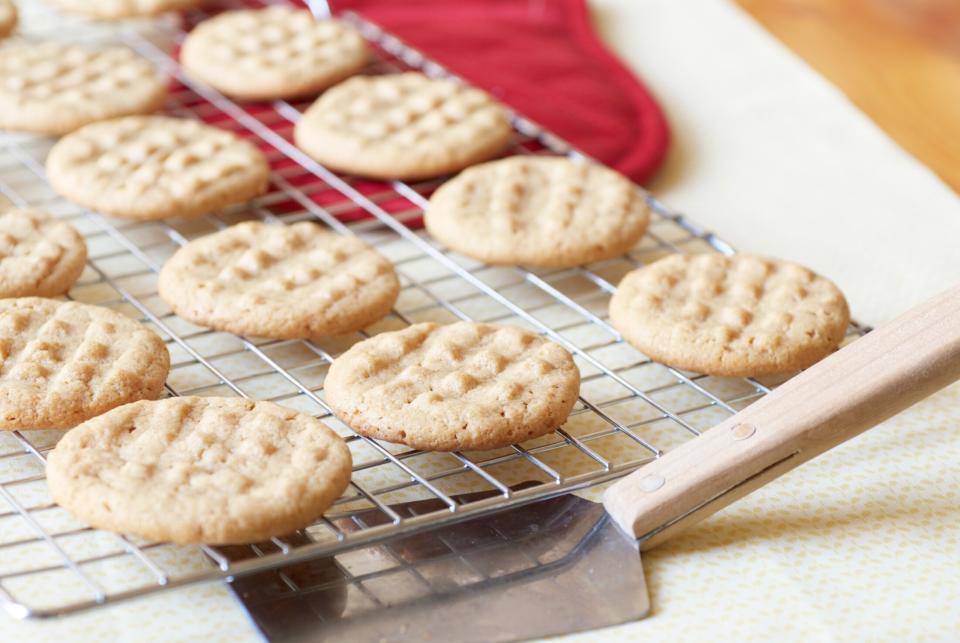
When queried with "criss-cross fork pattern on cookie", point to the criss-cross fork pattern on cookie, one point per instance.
{"points": [[236, 470], [152, 167], [458, 386], [279, 281], [54, 89], [278, 52], [403, 126], [63, 362], [542, 211], [739, 316], [39, 255]]}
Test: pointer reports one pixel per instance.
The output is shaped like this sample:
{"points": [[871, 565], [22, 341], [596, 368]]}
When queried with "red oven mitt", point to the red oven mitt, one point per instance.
{"points": [[542, 58]]}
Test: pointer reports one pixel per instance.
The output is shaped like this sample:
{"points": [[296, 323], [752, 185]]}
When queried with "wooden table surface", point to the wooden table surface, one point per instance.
{"points": [[898, 60]]}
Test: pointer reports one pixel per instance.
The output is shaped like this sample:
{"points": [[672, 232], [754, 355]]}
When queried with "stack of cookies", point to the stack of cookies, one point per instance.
{"points": [[240, 470]]}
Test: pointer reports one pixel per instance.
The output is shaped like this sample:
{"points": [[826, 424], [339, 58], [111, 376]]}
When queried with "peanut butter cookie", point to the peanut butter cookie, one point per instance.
{"points": [[200, 470], [450, 387], [62, 362], [538, 211], [154, 167], [736, 316], [279, 281], [54, 89], [271, 54], [39, 255], [402, 126]]}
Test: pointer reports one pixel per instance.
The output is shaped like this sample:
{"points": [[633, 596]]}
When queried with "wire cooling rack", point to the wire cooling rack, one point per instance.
{"points": [[630, 408]]}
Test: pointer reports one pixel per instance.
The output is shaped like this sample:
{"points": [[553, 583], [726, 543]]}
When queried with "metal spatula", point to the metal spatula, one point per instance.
{"points": [[563, 565]]}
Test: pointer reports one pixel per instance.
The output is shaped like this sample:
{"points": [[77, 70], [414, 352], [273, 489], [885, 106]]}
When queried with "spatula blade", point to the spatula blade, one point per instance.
{"points": [[551, 567]]}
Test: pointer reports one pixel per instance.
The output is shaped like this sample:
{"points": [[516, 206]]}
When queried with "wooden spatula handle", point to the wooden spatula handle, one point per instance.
{"points": [[850, 391]]}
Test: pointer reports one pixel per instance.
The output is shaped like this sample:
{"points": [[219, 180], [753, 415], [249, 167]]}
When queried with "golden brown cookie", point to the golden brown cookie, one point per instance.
{"points": [[62, 362], [117, 9], [538, 211], [273, 53], [39, 255], [279, 281], [154, 167], [55, 89], [736, 316], [200, 470], [402, 126], [454, 387]]}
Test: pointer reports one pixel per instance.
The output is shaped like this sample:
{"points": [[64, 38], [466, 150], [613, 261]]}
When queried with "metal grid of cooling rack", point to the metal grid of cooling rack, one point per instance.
{"points": [[629, 409]]}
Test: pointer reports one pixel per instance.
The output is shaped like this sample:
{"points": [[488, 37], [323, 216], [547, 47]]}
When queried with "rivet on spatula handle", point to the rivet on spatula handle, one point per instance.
{"points": [[850, 391], [742, 431]]}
